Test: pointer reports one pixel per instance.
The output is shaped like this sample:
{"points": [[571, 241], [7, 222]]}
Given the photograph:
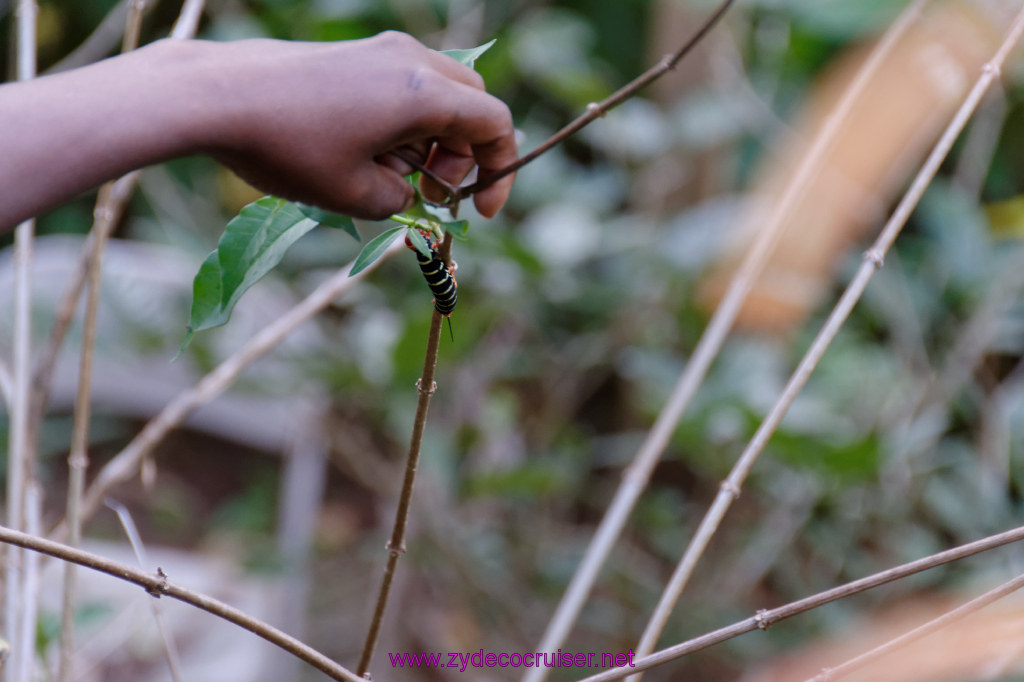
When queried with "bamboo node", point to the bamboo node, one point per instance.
{"points": [[875, 257], [761, 619], [730, 488], [159, 588], [424, 391]]}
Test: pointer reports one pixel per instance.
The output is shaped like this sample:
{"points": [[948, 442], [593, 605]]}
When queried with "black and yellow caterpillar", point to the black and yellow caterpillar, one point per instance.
{"points": [[440, 280], [439, 277]]}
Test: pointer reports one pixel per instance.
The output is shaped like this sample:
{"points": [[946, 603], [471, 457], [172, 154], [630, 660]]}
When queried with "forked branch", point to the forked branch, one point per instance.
{"points": [[594, 110], [159, 585], [765, 618]]}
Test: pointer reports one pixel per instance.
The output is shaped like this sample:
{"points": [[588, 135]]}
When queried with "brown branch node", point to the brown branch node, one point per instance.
{"points": [[159, 588], [875, 257], [730, 489], [762, 620], [426, 391]]}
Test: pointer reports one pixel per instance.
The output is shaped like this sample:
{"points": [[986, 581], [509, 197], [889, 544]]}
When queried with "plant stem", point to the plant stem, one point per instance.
{"points": [[78, 457], [126, 463], [158, 585], [765, 618], [873, 259], [20, 455], [425, 386], [934, 625], [598, 109], [637, 474]]}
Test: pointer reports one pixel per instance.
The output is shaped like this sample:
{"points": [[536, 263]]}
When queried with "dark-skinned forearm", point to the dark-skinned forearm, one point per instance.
{"points": [[68, 133]]}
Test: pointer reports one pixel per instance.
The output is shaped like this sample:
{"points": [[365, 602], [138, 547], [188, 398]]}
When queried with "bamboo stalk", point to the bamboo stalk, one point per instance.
{"points": [[126, 463], [873, 259], [158, 585], [19, 458], [765, 618], [637, 474]]}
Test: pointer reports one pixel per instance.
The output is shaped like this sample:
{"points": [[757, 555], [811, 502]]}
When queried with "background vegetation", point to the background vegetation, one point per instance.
{"points": [[578, 306]]}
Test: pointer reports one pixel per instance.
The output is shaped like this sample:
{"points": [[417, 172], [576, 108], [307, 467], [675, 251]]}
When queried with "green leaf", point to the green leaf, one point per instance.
{"points": [[419, 241], [468, 57], [374, 248], [328, 219], [457, 228], [252, 244]]}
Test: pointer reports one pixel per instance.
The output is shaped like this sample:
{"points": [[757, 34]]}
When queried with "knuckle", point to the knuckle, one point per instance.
{"points": [[396, 39]]}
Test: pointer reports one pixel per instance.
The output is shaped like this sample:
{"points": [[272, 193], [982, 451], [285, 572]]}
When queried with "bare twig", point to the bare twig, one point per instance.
{"points": [[158, 585], [106, 216], [188, 20], [6, 384], [765, 618], [25, 641], [872, 261], [450, 189], [126, 463], [100, 42], [598, 109], [957, 614], [425, 386], [135, 540], [17, 612], [635, 477], [78, 457], [110, 204]]}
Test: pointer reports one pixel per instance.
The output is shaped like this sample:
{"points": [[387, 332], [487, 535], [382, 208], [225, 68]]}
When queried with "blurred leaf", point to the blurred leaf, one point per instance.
{"points": [[468, 57], [457, 228], [374, 248], [841, 20], [853, 461], [526, 482], [1007, 217], [328, 219], [253, 242]]}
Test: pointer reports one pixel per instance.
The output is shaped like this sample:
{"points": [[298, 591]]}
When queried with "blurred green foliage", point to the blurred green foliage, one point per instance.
{"points": [[576, 313]]}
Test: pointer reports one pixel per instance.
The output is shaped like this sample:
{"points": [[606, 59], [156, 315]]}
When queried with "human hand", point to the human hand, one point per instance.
{"points": [[315, 122]]}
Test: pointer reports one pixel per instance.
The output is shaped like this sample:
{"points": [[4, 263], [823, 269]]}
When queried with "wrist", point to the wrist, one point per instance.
{"points": [[196, 100]]}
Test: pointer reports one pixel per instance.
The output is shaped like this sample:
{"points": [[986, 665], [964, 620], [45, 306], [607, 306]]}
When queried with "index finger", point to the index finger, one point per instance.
{"points": [[483, 124]]}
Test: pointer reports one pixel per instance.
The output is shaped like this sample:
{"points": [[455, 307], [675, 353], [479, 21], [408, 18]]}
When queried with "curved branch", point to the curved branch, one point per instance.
{"points": [[765, 618], [922, 631], [158, 585], [599, 109], [126, 463]]}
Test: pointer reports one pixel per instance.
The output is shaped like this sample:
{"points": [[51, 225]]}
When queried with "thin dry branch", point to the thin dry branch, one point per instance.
{"points": [[17, 612], [636, 475], [596, 110], [158, 585], [425, 386], [100, 42], [126, 463], [135, 540], [934, 625], [765, 618], [873, 259], [110, 204], [105, 217]]}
